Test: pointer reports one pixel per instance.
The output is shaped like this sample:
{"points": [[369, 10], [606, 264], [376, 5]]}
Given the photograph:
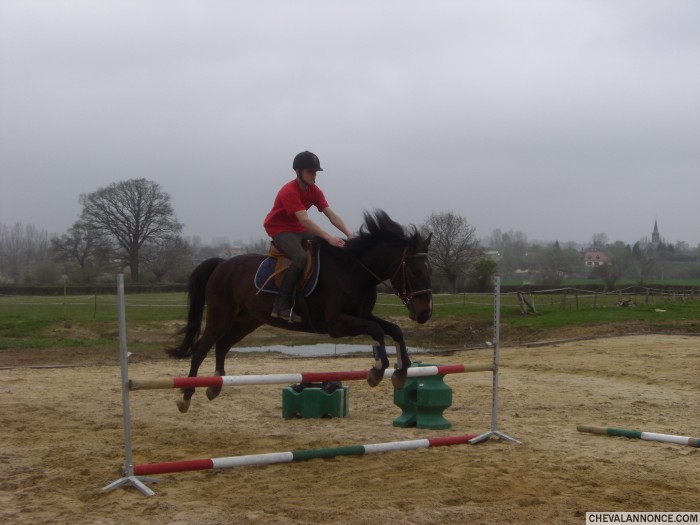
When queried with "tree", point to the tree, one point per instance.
{"points": [[600, 240], [553, 263], [22, 248], [619, 262], [454, 246], [259, 246], [82, 247], [512, 247], [168, 255], [132, 213], [550, 264], [481, 274]]}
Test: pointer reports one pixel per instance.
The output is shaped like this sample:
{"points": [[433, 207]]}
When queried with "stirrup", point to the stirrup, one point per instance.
{"points": [[287, 314]]}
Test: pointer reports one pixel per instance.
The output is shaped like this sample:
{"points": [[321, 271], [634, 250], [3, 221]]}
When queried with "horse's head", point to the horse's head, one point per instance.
{"points": [[412, 279], [389, 251]]}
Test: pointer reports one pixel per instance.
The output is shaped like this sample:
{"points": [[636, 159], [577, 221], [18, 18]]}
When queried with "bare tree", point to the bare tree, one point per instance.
{"points": [[512, 247], [600, 240], [132, 213], [552, 263], [82, 247], [167, 256], [259, 246], [454, 246], [22, 248]]}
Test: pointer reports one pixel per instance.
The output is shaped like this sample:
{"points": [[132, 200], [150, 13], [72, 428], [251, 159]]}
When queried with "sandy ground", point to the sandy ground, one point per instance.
{"points": [[62, 441]]}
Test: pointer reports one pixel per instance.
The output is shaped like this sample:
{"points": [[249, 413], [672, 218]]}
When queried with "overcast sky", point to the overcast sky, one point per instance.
{"points": [[560, 119]]}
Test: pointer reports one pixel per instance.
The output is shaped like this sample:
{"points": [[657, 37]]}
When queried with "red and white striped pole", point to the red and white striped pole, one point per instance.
{"points": [[297, 455], [291, 378]]}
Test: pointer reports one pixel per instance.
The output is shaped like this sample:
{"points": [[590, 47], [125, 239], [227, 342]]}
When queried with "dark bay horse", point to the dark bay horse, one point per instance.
{"points": [[341, 305]]}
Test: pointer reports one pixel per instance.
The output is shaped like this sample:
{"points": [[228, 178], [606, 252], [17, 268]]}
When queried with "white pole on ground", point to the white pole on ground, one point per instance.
{"points": [[128, 478], [496, 359]]}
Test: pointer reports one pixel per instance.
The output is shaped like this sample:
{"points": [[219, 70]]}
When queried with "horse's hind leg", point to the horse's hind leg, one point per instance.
{"points": [[223, 345], [201, 350]]}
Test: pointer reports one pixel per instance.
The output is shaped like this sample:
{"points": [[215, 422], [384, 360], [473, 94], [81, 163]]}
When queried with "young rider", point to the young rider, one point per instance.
{"points": [[289, 224]]}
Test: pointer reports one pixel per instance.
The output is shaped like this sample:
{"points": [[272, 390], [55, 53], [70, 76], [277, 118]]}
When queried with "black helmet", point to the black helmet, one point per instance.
{"points": [[307, 160]]}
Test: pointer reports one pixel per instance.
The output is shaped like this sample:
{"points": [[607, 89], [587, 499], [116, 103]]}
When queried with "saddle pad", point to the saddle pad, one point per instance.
{"points": [[267, 268]]}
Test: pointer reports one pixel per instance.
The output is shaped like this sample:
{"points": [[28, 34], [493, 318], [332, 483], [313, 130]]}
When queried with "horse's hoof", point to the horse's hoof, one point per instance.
{"points": [[212, 393], [398, 378], [182, 405], [374, 376]]}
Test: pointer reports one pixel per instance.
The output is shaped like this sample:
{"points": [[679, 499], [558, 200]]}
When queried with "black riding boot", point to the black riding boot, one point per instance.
{"points": [[283, 303]]}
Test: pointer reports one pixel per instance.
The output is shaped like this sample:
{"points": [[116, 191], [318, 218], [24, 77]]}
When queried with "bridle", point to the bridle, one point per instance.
{"points": [[406, 294]]}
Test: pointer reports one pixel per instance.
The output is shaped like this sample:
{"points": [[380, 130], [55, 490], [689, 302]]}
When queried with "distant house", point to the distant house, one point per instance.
{"points": [[596, 258]]}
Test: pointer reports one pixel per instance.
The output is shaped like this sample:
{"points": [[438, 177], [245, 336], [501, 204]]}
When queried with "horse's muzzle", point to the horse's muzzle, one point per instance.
{"points": [[423, 317], [420, 309]]}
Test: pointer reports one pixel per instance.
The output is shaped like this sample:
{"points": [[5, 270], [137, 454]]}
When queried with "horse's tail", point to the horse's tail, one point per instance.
{"points": [[196, 291]]}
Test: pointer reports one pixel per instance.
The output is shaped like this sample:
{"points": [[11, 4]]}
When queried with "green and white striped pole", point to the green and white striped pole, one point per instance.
{"points": [[637, 434]]}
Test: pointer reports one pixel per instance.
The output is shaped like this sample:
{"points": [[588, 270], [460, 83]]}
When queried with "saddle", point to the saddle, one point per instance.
{"points": [[270, 273]]}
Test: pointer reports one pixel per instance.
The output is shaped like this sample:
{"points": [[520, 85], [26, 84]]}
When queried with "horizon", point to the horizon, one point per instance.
{"points": [[482, 239]]}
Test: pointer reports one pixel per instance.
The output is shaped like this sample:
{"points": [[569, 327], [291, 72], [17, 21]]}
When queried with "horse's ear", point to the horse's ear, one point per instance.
{"points": [[427, 241]]}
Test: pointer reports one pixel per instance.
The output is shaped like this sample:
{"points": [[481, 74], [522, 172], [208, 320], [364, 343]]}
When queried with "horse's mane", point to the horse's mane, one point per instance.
{"points": [[379, 228]]}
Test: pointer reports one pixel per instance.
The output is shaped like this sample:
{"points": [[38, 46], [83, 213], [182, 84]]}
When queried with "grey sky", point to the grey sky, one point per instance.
{"points": [[557, 118]]}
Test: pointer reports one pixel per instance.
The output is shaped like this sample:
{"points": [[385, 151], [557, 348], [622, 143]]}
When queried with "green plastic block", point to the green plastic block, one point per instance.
{"points": [[314, 403], [422, 401]]}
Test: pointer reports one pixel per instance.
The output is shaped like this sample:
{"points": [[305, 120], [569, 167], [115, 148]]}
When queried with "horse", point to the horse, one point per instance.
{"points": [[341, 304]]}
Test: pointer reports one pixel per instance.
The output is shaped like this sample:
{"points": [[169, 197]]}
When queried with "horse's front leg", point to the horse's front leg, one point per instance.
{"points": [[403, 362], [381, 363], [348, 325]]}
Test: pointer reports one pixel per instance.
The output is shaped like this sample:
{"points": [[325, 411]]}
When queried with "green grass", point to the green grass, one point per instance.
{"points": [[673, 314], [92, 321], [43, 322], [555, 311]]}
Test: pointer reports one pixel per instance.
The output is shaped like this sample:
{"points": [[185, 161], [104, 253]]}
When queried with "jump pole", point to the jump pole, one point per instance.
{"points": [[496, 359], [297, 455], [636, 434], [130, 477], [302, 377]]}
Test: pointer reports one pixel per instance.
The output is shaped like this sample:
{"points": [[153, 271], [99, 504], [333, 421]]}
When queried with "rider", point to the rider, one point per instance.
{"points": [[289, 224]]}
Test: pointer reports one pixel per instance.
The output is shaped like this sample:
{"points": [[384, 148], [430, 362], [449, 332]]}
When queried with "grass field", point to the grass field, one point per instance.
{"points": [[92, 321]]}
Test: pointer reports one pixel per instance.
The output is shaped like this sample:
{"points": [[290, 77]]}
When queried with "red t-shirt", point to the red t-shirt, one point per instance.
{"points": [[290, 199]]}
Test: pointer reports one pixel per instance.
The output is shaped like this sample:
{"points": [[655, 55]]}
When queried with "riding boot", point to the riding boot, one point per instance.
{"points": [[283, 303]]}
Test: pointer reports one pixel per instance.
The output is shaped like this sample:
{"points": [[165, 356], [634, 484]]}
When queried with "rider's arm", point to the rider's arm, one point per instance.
{"points": [[337, 221], [314, 228]]}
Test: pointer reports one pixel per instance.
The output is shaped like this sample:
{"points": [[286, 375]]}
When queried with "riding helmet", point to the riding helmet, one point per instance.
{"points": [[307, 160]]}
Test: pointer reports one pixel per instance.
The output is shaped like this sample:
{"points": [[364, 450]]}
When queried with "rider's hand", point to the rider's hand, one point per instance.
{"points": [[336, 241]]}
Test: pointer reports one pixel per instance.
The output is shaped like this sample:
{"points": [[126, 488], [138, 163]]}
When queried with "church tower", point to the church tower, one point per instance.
{"points": [[655, 237]]}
